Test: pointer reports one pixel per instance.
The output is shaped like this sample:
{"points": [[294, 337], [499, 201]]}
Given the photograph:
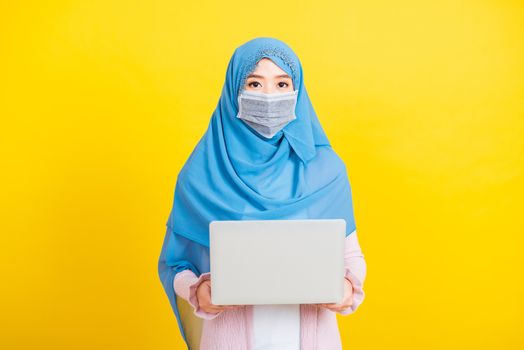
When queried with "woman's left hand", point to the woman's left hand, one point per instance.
{"points": [[347, 301]]}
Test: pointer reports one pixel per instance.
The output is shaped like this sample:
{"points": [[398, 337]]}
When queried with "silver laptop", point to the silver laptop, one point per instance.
{"points": [[277, 261]]}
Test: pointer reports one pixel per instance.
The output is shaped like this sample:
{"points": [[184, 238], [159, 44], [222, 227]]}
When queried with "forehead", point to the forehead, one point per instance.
{"points": [[266, 67]]}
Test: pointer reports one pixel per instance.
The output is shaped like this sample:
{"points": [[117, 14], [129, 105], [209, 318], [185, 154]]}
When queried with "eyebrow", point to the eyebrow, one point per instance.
{"points": [[262, 77]]}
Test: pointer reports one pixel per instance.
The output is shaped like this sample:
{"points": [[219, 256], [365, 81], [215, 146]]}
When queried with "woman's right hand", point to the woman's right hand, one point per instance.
{"points": [[204, 299]]}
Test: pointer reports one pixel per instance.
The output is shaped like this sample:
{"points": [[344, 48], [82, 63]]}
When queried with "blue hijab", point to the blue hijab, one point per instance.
{"points": [[234, 173]]}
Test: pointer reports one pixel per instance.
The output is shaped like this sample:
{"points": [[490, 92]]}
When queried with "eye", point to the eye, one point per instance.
{"points": [[253, 82], [286, 84]]}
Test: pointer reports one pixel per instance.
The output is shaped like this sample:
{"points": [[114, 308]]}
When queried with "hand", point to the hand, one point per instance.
{"points": [[204, 299], [347, 301]]}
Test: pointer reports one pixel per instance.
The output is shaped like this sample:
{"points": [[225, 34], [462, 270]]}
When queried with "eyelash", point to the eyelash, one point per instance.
{"points": [[256, 82]]}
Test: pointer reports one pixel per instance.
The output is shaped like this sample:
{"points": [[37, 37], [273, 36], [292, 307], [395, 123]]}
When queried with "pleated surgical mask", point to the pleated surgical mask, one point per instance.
{"points": [[267, 113]]}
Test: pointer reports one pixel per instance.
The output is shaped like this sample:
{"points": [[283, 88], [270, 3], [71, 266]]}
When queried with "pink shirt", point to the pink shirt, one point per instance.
{"points": [[233, 328]]}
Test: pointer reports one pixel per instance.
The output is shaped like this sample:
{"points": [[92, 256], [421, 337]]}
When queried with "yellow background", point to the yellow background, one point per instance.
{"points": [[102, 102]]}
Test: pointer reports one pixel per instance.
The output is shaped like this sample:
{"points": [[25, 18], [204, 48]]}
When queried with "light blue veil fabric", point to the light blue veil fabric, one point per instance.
{"points": [[234, 173]]}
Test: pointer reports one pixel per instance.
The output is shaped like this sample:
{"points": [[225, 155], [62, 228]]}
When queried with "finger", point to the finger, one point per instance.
{"points": [[211, 310], [342, 307], [222, 306], [333, 306], [215, 307], [327, 304]]}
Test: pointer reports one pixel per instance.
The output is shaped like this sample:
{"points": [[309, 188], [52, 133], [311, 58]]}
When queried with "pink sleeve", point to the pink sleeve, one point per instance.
{"points": [[186, 284], [355, 271]]}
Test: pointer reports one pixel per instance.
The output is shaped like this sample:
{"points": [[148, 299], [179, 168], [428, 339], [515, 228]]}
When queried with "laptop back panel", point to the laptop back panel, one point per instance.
{"points": [[277, 261]]}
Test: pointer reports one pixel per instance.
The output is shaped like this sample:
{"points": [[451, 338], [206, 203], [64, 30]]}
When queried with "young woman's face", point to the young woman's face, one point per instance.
{"points": [[268, 78]]}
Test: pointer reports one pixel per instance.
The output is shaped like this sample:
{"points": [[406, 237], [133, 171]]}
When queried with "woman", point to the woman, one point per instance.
{"points": [[264, 156]]}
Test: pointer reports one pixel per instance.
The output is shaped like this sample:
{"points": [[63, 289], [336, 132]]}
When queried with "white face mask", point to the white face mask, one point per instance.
{"points": [[267, 113]]}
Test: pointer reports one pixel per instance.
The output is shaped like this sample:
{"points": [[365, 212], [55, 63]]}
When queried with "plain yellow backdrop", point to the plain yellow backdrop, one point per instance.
{"points": [[101, 103]]}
